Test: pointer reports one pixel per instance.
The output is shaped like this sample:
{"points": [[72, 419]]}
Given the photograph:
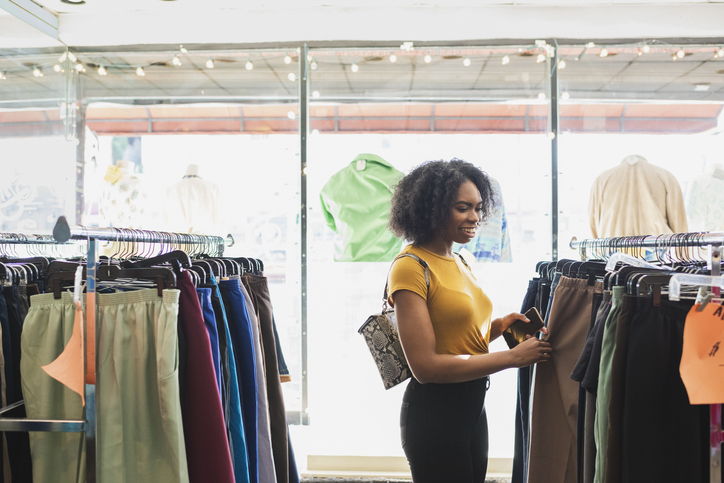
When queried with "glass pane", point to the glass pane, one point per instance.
{"points": [[485, 110], [656, 103]]}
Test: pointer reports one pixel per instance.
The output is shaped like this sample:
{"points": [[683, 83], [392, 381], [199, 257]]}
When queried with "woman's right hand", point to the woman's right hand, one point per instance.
{"points": [[531, 351]]}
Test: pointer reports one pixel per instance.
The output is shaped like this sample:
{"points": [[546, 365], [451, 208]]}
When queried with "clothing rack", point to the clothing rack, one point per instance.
{"points": [[63, 233], [713, 241]]}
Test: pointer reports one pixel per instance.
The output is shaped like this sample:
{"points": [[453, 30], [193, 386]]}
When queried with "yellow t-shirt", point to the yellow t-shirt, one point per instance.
{"points": [[459, 309]]}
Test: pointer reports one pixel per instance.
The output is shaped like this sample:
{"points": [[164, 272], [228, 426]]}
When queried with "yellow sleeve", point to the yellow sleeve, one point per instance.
{"points": [[406, 274]]}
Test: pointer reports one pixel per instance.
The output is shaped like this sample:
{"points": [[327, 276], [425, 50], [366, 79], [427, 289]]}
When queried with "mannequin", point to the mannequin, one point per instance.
{"points": [[705, 200], [123, 198], [193, 205], [633, 159], [636, 198]]}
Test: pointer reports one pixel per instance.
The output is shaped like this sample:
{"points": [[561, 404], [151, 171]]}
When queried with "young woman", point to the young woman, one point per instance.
{"points": [[445, 330]]}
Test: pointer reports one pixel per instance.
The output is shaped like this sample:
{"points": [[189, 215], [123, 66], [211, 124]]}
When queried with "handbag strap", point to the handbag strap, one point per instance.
{"points": [[420, 261]]}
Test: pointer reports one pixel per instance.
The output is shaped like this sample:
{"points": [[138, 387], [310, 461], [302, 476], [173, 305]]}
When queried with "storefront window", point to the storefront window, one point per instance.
{"points": [[427, 104]]}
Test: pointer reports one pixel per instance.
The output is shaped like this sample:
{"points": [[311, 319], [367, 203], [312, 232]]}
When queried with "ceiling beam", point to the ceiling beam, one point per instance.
{"points": [[34, 15]]}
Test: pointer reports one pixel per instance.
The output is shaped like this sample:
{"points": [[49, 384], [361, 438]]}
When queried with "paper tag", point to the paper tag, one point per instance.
{"points": [[113, 174], [76, 283], [702, 357], [361, 164]]}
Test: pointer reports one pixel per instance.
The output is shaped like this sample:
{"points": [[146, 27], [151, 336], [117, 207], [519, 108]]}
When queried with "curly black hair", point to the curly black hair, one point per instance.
{"points": [[422, 199]]}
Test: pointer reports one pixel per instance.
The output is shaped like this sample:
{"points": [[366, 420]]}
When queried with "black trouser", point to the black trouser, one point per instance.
{"points": [[445, 431]]}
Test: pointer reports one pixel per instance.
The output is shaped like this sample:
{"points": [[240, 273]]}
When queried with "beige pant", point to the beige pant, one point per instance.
{"points": [[139, 430]]}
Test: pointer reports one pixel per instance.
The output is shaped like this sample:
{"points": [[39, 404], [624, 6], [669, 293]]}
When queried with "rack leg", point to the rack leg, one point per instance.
{"points": [[90, 433]]}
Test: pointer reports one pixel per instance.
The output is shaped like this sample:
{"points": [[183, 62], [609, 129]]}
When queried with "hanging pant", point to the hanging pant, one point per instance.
{"points": [[140, 434], [520, 456], [207, 449], [242, 339], [665, 439], [554, 407], [267, 474], [259, 293]]}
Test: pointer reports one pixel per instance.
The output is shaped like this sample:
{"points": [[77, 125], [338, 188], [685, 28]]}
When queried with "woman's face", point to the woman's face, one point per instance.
{"points": [[466, 213]]}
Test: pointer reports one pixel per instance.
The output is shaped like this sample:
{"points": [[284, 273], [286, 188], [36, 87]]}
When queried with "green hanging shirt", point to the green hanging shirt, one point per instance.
{"points": [[356, 205]]}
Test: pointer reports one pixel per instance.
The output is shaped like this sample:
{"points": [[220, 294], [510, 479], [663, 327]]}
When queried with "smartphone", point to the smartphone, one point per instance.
{"points": [[516, 333]]}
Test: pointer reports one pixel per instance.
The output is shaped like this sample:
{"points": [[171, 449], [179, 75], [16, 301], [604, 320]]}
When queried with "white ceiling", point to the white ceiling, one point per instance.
{"points": [[133, 22]]}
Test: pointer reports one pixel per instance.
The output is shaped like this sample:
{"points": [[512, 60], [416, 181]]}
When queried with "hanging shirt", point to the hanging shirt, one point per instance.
{"points": [[356, 205], [193, 206], [636, 199], [705, 202], [492, 240]]}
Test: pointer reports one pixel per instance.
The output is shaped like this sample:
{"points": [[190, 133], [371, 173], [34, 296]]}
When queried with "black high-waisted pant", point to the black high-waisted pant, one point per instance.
{"points": [[445, 431]]}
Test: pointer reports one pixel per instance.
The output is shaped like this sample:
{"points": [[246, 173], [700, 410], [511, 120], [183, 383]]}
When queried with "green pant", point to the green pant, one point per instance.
{"points": [[139, 427]]}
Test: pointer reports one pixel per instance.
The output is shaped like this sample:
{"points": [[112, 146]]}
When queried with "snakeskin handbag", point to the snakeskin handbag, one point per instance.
{"points": [[380, 333]]}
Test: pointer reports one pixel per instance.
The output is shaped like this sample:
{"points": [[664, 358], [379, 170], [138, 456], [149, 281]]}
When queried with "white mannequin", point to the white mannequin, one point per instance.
{"points": [[192, 170], [633, 159]]}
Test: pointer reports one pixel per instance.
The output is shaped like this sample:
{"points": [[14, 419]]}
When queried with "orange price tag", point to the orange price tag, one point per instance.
{"points": [[702, 358]]}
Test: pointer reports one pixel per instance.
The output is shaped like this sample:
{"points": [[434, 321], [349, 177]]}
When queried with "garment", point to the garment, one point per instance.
{"points": [[142, 435], [207, 310], [258, 290], [492, 239], [554, 407], [603, 392], [267, 474], [235, 421], [207, 449], [193, 205], [356, 204], [636, 199], [123, 199], [665, 439], [242, 339], [444, 431], [704, 202], [464, 330], [522, 404]]}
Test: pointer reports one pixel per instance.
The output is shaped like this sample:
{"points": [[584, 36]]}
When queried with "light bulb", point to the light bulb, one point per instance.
{"points": [[78, 67], [674, 57], [314, 131], [313, 65], [176, 61], [287, 59], [551, 135], [720, 52], [540, 58], [506, 60], [315, 94], [565, 96], [590, 45], [2, 75], [140, 72], [210, 64], [291, 115], [182, 49], [37, 72], [354, 67], [542, 96], [604, 53], [393, 58], [680, 54], [467, 62], [249, 65], [102, 70], [292, 77], [562, 64], [309, 57], [646, 49], [428, 59], [640, 53], [56, 67]]}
